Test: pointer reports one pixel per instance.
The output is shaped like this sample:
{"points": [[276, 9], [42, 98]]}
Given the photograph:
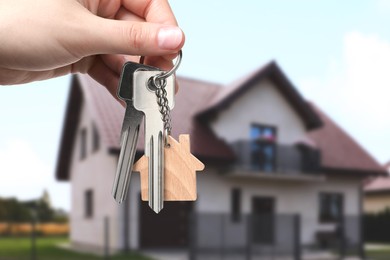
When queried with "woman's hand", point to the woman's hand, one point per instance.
{"points": [[42, 39]]}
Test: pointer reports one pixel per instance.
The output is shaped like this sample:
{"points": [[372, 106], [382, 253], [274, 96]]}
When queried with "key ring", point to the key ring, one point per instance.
{"points": [[165, 75]]}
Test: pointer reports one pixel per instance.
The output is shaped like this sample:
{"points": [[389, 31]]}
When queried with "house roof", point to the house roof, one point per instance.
{"points": [[377, 185], [198, 99], [271, 71], [339, 151], [387, 165], [108, 116], [105, 110]]}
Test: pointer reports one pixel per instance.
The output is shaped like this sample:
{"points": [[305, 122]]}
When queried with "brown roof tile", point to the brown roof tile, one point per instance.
{"points": [[339, 150], [378, 184], [106, 111]]}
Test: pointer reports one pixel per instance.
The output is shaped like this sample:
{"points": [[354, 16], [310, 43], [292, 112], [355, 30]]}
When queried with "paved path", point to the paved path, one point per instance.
{"points": [[183, 255]]}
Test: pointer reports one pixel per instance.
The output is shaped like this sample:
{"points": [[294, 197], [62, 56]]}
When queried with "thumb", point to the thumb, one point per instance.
{"points": [[135, 38]]}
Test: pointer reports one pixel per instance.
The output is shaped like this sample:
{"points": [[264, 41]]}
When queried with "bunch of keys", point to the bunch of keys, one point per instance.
{"points": [[148, 93]]}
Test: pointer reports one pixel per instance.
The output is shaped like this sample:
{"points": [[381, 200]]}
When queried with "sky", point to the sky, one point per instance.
{"points": [[336, 53]]}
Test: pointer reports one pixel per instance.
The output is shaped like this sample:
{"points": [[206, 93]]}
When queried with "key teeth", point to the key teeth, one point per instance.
{"points": [[123, 173]]}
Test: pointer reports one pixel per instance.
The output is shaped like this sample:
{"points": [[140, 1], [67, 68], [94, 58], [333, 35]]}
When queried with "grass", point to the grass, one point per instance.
{"points": [[378, 251], [47, 249]]}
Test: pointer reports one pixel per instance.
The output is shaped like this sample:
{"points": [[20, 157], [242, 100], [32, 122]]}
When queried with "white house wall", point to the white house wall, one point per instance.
{"points": [[95, 172], [264, 104], [302, 198]]}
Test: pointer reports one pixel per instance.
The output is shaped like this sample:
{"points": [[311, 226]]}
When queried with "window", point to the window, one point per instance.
{"points": [[88, 206], [331, 207], [83, 143], [263, 147], [264, 221], [95, 138], [236, 204]]}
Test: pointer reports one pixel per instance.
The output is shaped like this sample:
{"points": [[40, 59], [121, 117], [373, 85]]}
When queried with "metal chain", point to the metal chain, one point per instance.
{"points": [[162, 101], [160, 82]]}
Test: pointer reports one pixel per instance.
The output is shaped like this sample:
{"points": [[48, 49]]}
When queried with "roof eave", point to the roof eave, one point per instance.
{"points": [[377, 191], [363, 173], [69, 127]]}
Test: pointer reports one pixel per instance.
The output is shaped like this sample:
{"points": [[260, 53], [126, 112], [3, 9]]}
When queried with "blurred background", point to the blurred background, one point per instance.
{"points": [[334, 54]]}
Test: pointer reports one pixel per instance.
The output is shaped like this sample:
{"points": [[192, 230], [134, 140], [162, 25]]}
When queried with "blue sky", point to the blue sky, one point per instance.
{"points": [[337, 53]]}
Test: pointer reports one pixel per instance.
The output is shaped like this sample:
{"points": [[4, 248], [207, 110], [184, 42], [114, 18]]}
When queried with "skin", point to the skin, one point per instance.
{"points": [[42, 39]]}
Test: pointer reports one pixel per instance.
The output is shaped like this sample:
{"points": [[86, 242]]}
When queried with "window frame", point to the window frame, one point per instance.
{"points": [[88, 203], [273, 143], [83, 143], [235, 204], [324, 219], [95, 138]]}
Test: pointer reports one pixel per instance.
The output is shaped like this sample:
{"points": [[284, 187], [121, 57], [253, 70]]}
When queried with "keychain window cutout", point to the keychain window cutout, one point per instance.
{"points": [[180, 171]]}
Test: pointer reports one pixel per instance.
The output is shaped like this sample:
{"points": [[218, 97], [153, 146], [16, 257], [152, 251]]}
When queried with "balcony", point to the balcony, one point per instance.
{"points": [[285, 161]]}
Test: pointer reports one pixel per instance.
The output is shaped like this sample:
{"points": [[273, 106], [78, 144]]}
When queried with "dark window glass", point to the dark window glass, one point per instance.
{"points": [[263, 147], [95, 138], [236, 204], [88, 207], [263, 220], [331, 207], [83, 143]]}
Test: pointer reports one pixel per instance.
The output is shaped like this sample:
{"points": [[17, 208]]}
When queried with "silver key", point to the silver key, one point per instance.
{"points": [[130, 131], [145, 100]]}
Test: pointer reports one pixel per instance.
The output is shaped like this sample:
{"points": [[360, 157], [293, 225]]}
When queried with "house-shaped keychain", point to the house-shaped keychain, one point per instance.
{"points": [[180, 171]]}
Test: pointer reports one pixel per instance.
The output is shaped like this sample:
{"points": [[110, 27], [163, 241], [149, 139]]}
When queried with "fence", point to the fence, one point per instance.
{"points": [[216, 236], [337, 239], [43, 241], [377, 226], [219, 236]]}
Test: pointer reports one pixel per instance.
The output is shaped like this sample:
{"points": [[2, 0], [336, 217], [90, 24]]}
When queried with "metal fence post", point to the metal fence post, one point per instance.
{"points": [[341, 237], [248, 250], [193, 238], [106, 238], [362, 252], [33, 239], [297, 237], [222, 253], [361, 216]]}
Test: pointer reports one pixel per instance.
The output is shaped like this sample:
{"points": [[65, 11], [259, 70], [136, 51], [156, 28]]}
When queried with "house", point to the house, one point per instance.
{"points": [[279, 172], [377, 193]]}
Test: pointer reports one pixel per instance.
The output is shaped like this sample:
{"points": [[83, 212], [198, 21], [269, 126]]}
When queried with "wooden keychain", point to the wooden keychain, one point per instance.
{"points": [[180, 166], [180, 171]]}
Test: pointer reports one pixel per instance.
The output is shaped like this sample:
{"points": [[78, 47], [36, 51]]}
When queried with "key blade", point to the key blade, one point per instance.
{"points": [[145, 100], [130, 130], [129, 139], [156, 173]]}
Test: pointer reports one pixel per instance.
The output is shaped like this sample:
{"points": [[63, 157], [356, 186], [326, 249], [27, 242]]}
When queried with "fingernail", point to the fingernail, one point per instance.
{"points": [[169, 38]]}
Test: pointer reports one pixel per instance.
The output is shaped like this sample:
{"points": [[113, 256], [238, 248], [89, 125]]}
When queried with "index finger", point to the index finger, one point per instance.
{"points": [[156, 11]]}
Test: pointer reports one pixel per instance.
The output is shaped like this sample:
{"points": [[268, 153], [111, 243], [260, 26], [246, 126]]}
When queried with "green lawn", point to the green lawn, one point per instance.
{"points": [[378, 251], [47, 249]]}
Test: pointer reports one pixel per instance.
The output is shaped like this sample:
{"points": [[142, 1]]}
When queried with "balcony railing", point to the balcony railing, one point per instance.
{"points": [[287, 159]]}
